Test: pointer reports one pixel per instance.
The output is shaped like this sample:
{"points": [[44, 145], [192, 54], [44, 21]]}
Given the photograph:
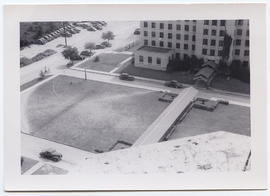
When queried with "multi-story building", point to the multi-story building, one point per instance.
{"points": [[202, 38]]}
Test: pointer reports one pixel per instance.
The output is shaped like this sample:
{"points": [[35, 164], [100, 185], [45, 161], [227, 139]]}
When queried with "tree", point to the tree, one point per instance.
{"points": [[108, 35], [90, 46], [71, 53]]}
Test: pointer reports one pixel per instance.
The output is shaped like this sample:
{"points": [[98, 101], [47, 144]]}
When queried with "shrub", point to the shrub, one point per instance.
{"points": [[25, 61], [71, 53], [42, 55]]}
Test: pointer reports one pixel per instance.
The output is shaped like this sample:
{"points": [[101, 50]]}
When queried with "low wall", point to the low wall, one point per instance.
{"points": [[160, 126]]}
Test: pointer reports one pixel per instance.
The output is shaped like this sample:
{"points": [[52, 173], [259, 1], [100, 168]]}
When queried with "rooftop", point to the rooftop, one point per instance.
{"points": [[154, 49]]}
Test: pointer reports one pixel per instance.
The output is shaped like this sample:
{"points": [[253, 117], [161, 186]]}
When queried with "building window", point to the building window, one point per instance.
{"points": [[220, 53], [247, 33], [161, 34], [145, 24], [177, 45], [186, 28], [237, 52], [240, 22], [214, 32], [221, 33], [141, 59], [158, 61], [193, 47], [161, 43], [205, 41], [185, 46], [153, 25], [161, 25], [222, 23], [169, 36], [178, 27], [214, 22], [193, 38], [194, 28], [169, 44], [170, 26], [204, 51], [246, 53], [149, 59], [238, 42], [213, 42], [177, 55], [205, 31], [239, 31], [145, 33], [212, 52], [206, 22], [247, 43], [221, 43], [145, 42], [153, 34], [178, 36], [153, 43], [186, 37]]}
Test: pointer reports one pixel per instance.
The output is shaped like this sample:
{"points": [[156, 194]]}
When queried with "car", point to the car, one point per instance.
{"points": [[173, 84], [99, 47], [106, 44], [167, 97], [89, 28], [137, 31], [96, 26], [126, 76], [51, 154]]}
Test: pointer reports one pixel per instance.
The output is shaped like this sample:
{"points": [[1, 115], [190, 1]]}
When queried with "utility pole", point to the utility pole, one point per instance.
{"points": [[85, 75], [65, 35]]}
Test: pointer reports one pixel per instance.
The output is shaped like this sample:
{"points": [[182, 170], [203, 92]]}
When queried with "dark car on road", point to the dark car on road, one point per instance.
{"points": [[126, 76], [174, 84], [99, 46], [106, 44], [51, 154]]}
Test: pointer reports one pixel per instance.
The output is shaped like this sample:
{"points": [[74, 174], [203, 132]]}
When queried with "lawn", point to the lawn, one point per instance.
{"points": [[107, 62], [48, 169], [33, 82], [230, 118], [89, 115], [27, 164], [232, 85], [183, 77]]}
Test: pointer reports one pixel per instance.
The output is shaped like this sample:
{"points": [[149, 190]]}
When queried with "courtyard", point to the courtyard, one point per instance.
{"points": [[89, 115], [229, 118]]}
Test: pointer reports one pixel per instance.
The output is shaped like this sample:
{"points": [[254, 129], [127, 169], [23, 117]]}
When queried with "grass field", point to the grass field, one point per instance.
{"points": [[89, 115], [106, 63], [231, 118], [27, 164], [232, 85], [183, 77]]}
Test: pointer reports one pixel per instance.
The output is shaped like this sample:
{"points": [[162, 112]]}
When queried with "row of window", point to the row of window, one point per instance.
{"points": [[237, 52], [150, 60], [169, 44], [213, 42], [214, 22], [169, 27], [238, 42], [213, 32], [213, 52], [170, 35], [240, 32]]}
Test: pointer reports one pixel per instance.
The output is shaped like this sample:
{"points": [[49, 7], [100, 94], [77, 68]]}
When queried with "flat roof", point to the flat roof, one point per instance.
{"points": [[154, 49]]}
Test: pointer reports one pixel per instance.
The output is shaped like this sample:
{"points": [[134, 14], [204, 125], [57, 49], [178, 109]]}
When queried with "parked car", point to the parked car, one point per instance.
{"points": [[51, 154], [137, 31], [41, 41], [174, 84], [67, 34], [96, 26], [126, 76], [89, 28], [106, 44], [167, 97], [99, 47]]}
